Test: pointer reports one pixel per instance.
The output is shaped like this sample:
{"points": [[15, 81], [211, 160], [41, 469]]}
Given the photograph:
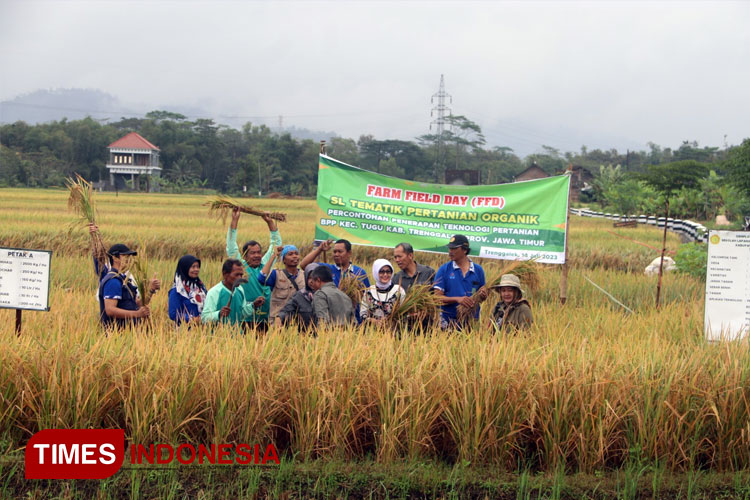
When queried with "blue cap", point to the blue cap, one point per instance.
{"points": [[287, 249]]}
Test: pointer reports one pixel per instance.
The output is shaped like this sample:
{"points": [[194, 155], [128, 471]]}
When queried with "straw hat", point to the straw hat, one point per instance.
{"points": [[509, 280]]}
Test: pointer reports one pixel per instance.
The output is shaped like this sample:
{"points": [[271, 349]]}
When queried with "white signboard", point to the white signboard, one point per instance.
{"points": [[24, 279], [728, 285]]}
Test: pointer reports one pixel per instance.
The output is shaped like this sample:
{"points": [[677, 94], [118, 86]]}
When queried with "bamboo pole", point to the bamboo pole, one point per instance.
{"points": [[661, 260], [564, 277]]}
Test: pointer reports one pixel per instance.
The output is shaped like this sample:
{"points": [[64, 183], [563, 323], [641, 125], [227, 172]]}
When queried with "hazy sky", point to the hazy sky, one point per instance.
{"points": [[559, 73]]}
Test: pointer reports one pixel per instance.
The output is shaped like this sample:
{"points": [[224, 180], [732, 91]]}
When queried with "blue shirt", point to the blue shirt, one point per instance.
{"points": [[113, 288], [116, 287], [355, 270], [453, 283], [180, 307]]}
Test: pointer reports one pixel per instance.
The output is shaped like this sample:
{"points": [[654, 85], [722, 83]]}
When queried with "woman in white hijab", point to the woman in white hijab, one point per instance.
{"points": [[380, 299]]}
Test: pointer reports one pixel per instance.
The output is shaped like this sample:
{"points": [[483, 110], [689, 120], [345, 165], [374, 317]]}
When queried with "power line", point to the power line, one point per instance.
{"points": [[230, 117]]}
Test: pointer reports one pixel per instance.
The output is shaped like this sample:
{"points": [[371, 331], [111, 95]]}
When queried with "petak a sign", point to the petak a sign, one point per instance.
{"points": [[516, 221], [24, 279]]}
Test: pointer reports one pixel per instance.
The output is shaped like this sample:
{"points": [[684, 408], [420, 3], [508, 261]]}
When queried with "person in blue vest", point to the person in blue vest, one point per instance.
{"points": [[188, 294], [342, 265], [282, 282], [101, 269], [119, 304], [459, 282]]}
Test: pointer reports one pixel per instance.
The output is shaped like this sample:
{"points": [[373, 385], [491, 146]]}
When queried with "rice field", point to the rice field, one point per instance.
{"points": [[589, 388]]}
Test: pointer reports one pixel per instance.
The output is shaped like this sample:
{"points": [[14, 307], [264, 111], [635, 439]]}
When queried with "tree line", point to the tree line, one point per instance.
{"points": [[201, 154]]}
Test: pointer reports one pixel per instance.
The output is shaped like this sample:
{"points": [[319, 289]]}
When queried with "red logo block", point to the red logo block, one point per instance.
{"points": [[74, 453]]}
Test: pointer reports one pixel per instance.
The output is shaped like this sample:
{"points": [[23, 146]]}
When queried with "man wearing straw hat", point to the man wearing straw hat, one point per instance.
{"points": [[225, 302]]}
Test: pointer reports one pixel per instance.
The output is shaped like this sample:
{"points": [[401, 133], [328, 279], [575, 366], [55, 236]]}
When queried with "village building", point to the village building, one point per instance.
{"points": [[581, 180], [131, 157], [532, 173]]}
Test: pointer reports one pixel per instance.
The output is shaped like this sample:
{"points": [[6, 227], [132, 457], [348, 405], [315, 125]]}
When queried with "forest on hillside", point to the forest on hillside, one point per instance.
{"points": [[201, 154]]}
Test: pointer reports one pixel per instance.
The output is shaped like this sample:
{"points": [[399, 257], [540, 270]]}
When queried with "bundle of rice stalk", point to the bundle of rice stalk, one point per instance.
{"points": [[221, 206], [81, 201], [526, 270], [138, 267], [352, 285], [419, 304]]}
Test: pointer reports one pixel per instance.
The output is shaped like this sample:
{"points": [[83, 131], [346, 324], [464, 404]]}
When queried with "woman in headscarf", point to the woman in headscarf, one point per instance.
{"points": [[299, 308], [379, 299], [513, 312], [188, 294]]}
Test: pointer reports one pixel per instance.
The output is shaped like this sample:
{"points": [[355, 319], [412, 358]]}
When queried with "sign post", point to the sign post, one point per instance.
{"points": [[24, 280], [727, 315]]}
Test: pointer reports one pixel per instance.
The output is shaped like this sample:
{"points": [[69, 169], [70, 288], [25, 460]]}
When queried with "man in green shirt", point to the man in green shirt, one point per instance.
{"points": [[226, 302], [252, 259]]}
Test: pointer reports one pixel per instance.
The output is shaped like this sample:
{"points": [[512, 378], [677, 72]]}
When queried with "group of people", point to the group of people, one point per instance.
{"points": [[255, 295]]}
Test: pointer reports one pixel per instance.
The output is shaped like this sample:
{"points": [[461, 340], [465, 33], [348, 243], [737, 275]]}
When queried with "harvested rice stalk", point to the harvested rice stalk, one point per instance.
{"points": [[526, 270], [139, 268], [81, 201], [222, 206], [351, 284], [419, 304]]}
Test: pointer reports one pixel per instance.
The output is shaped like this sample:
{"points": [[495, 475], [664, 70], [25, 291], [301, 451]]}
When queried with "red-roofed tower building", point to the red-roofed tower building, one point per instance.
{"points": [[134, 156]]}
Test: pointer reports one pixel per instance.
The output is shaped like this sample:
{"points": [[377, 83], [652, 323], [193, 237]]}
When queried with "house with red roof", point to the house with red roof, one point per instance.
{"points": [[131, 157]]}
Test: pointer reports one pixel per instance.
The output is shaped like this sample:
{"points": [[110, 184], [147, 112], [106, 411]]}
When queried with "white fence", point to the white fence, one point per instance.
{"points": [[691, 230]]}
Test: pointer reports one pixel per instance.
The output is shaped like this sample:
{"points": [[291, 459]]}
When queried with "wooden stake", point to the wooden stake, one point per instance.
{"points": [[564, 277], [663, 249], [18, 322]]}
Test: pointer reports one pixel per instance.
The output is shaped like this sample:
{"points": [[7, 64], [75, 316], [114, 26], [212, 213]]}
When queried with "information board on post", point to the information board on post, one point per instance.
{"points": [[515, 221], [727, 315], [24, 279]]}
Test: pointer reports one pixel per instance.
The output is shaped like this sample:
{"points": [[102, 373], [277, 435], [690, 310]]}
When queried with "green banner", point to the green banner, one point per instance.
{"points": [[520, 220]]}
